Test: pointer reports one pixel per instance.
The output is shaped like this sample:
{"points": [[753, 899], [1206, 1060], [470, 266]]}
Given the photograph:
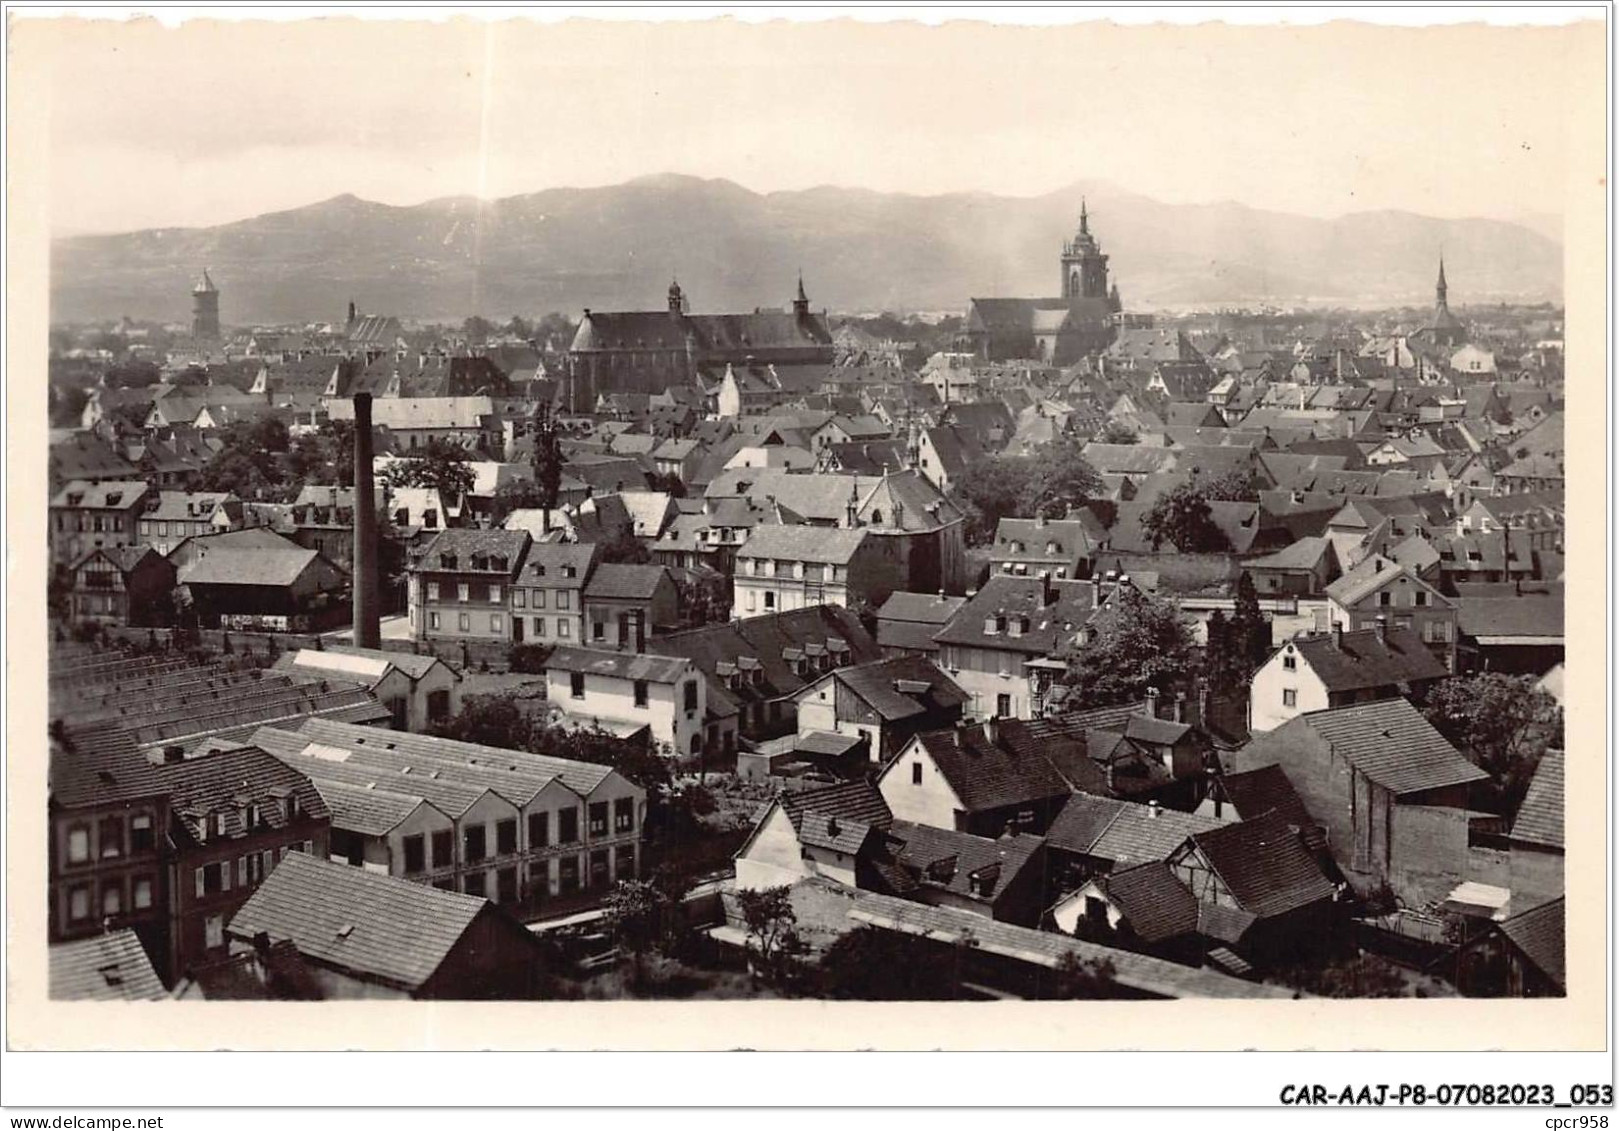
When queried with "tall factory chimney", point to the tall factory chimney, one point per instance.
{"points": [[367, 612]]}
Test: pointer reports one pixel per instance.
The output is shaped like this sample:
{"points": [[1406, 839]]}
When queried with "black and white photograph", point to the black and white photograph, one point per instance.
{"points": [[600, 514]]}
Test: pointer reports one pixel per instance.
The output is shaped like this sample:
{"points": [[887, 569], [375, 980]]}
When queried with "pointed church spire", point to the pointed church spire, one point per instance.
{"points": [[1442, 289], [801, 303], [1084, 218]]}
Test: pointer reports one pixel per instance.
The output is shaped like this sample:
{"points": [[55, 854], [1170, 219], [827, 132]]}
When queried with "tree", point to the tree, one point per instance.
{"points": [[1181, 517], [1503, 722], [477, 329], [514, 495], [1235, 486], [440, 465], [547, 459], [871, 964], [670, 483], [520, 327], [772, 928], [1079, 978], [995, 490], [1059, 481], [1118, 432], [1250, 631], [1141, 642], [625, 547], [638, 912]]}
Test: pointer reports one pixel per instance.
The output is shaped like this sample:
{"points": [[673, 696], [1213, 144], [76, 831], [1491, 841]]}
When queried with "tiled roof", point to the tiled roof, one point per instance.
{"points": [[765, 638], [1540, 816], [971, 866], [1353, 661], [109, 967], [855, 802], [1048, 949], [1368, 577], [1050, 626], [1264, 865], [465, 545], [922, 608], [1392, 744], [226, 782], [1522, 616], [99, 764], [618, 665], [369, 812], [348, 918], [988, 775], [225, 566], [1145, 832], [79, 493], [581, 777], [1539, 936], [1157, 906], [624, 582], [1306, 554], [1253, 793], [928, 688], [802, 544]]}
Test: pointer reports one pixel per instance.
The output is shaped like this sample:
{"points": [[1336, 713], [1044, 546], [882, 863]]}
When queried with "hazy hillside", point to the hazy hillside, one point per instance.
{"points": [[617, 247]]}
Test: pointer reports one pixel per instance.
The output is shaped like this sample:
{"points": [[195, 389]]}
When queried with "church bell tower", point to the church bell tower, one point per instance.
{"points": [[1084, 267]]}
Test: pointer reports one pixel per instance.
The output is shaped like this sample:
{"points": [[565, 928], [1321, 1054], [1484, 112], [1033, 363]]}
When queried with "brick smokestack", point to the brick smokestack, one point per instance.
{"points": [[367, 612]]}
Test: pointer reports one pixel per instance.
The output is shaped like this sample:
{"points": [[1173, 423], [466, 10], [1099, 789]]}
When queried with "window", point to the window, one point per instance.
{"points": [[568, 826], [495, 622], [1422, 598], [640, 693], [443, 849], [568, 874], [464, 622], [1290, 662], [112, 899], [415, 854], [143, 894], [210, 879], [506, 837], [770, 599], [506, 885], [78, 902], [598, 630], [624, 815], [539, 599], [438, 704], [463, 592], [600, 874], [539, 833], [78, 844], [598, 818], [916, 773], [691, 694], [1385, 598], [494, 594], [753, 601], [253, 867], [624, 861], [576, 684], [474, 843], [1003, 706], [477, 883], [432, 591], [564, 628], [213, 931], [564, 599], [519, 598], [1290, 697], [432, 620]]}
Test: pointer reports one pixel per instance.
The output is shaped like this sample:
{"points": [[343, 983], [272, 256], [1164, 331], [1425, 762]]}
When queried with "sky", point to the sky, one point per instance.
{"points": [[210, 122]]}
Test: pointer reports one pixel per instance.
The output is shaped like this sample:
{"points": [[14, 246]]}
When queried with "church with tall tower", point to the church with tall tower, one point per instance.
{"points": [[1444, 328], [205, 310], [1058, 331]]}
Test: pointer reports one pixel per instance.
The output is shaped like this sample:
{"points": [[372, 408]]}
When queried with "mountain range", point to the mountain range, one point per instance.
{"points": [[617, 247]]}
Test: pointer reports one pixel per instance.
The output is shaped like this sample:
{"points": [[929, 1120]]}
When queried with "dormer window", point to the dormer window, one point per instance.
{"points": [[447, 561]]}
